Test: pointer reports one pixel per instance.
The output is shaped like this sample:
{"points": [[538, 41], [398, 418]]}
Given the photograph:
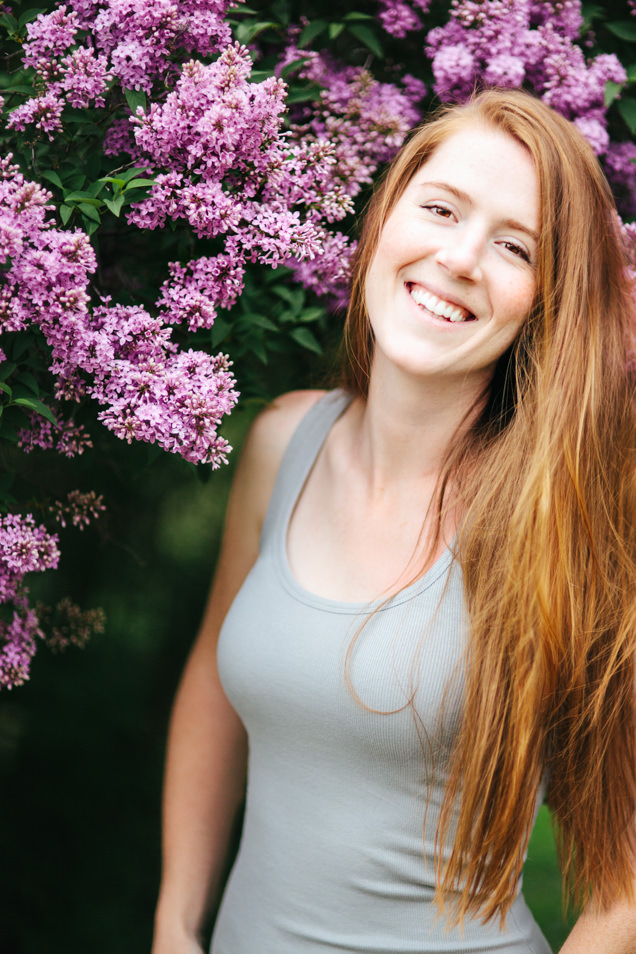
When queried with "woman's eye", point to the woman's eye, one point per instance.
{"points": [[518, 250], [439, 210]]}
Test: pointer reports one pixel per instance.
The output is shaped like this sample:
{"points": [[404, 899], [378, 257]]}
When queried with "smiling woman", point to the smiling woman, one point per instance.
{"points": [[422, 621], [453, 275]]}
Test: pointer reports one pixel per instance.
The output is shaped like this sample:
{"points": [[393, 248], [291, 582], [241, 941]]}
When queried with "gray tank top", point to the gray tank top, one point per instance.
{"points": [[344, 793]]}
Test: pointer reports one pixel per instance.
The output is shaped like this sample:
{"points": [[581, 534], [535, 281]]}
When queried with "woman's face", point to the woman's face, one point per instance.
{"points": [[454, 274]]}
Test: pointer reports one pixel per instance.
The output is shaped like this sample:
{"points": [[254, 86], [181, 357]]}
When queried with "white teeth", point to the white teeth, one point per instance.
{"points": [[436, 305]]}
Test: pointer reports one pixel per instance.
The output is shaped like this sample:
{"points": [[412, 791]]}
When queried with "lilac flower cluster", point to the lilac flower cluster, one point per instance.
{"points": [[233, 173], [80, 47], [25, 548], [68, 625], [80, 508], [119, 355], [399, 17], [65, 436], [620, 166], [510, 42], [365, 122]]}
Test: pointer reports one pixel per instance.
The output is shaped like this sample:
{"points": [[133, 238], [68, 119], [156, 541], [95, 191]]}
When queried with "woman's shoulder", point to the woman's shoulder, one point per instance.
{"points": [[267, 442], [273, 427]]}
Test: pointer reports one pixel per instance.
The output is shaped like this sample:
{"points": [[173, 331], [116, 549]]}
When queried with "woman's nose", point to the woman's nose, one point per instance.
{"points": [[461, 255]]}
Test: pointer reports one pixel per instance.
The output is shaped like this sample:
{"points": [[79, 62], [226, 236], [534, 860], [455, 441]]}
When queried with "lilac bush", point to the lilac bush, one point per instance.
{"points": [[183, 177]]}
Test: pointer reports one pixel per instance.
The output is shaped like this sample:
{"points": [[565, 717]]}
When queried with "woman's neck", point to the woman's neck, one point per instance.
{"points": [[405, 428]]}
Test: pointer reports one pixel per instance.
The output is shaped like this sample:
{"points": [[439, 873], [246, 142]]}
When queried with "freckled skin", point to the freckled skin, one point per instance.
{"points": [[465, 230]]}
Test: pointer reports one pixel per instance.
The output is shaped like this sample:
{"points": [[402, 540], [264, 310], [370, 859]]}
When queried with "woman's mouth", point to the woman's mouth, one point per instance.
{"points": [[445, 310]]}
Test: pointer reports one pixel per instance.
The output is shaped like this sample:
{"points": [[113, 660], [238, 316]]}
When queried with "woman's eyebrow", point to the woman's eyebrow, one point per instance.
{"points": [[464, 197]]}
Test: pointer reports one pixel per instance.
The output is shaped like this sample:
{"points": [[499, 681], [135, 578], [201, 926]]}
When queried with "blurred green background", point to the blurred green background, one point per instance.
{"points": [[81, 744]]}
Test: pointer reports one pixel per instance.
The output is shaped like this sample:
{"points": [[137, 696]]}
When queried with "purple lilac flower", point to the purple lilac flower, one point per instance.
{"points": [[510, 42], [65, 437], [364, 122], [25, 547], [80, 508], [398, 17], [120, 356], [233, 172], [79, 47], [68, 625]]}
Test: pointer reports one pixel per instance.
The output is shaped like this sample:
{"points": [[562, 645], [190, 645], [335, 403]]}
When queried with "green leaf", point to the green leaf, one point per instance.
{"points": [[30, 15], [293, 296], [9, 22], [6, 369], [245, 32], [118, 183], [115, 204], [304, 337], [627, 109], [631, 73], [311, 31], [135, 98], [33, 405], [5, 387], [623, 29], [51, 176], [366, 36], [75, 182], [84, 198], [262, 321], [611, 92], [357, 16], [139, 184], [312, 314], [293, 65], [66, 212], [259, 76], [303, 94], [590, 12], [335, 29], [27, 379], [219, 332], [21, 345], [90, 212], [95, 188], [259, 350], [132, 173]]}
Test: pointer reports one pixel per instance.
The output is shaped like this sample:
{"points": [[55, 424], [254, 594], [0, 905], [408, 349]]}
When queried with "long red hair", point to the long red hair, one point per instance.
{"points": [[546, 484]]}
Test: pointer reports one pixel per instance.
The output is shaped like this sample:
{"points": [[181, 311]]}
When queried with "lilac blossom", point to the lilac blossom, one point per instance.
{"points": [[65, 436], [78, 48], [620, 165], [399, 18], [80, 508], [364, 122], [233, 173], [25, 547], [68, 625], [510, 42], [118, 355]]}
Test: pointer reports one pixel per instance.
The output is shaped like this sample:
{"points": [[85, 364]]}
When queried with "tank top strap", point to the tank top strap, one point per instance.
{"points": [[299, 458]]}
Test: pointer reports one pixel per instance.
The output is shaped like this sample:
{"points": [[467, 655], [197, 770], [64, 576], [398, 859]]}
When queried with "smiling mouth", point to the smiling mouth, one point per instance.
{"points": [[444, 310]]}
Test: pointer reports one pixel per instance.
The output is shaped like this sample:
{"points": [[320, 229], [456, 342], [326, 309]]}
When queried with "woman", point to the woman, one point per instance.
{"points": [[436, 623]]}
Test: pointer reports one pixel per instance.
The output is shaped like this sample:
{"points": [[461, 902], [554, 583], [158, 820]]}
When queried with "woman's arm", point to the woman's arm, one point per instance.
{"points": [[207, 745]]}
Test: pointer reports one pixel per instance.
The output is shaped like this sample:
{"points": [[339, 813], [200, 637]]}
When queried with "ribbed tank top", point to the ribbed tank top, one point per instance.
{"points": [[344, 792]]}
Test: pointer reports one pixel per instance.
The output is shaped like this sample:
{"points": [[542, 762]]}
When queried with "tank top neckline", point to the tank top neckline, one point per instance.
{"points": [[309, 438]]}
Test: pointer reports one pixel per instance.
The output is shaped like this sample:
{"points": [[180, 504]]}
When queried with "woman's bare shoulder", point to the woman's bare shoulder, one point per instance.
{"points": [[266, 443]]}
